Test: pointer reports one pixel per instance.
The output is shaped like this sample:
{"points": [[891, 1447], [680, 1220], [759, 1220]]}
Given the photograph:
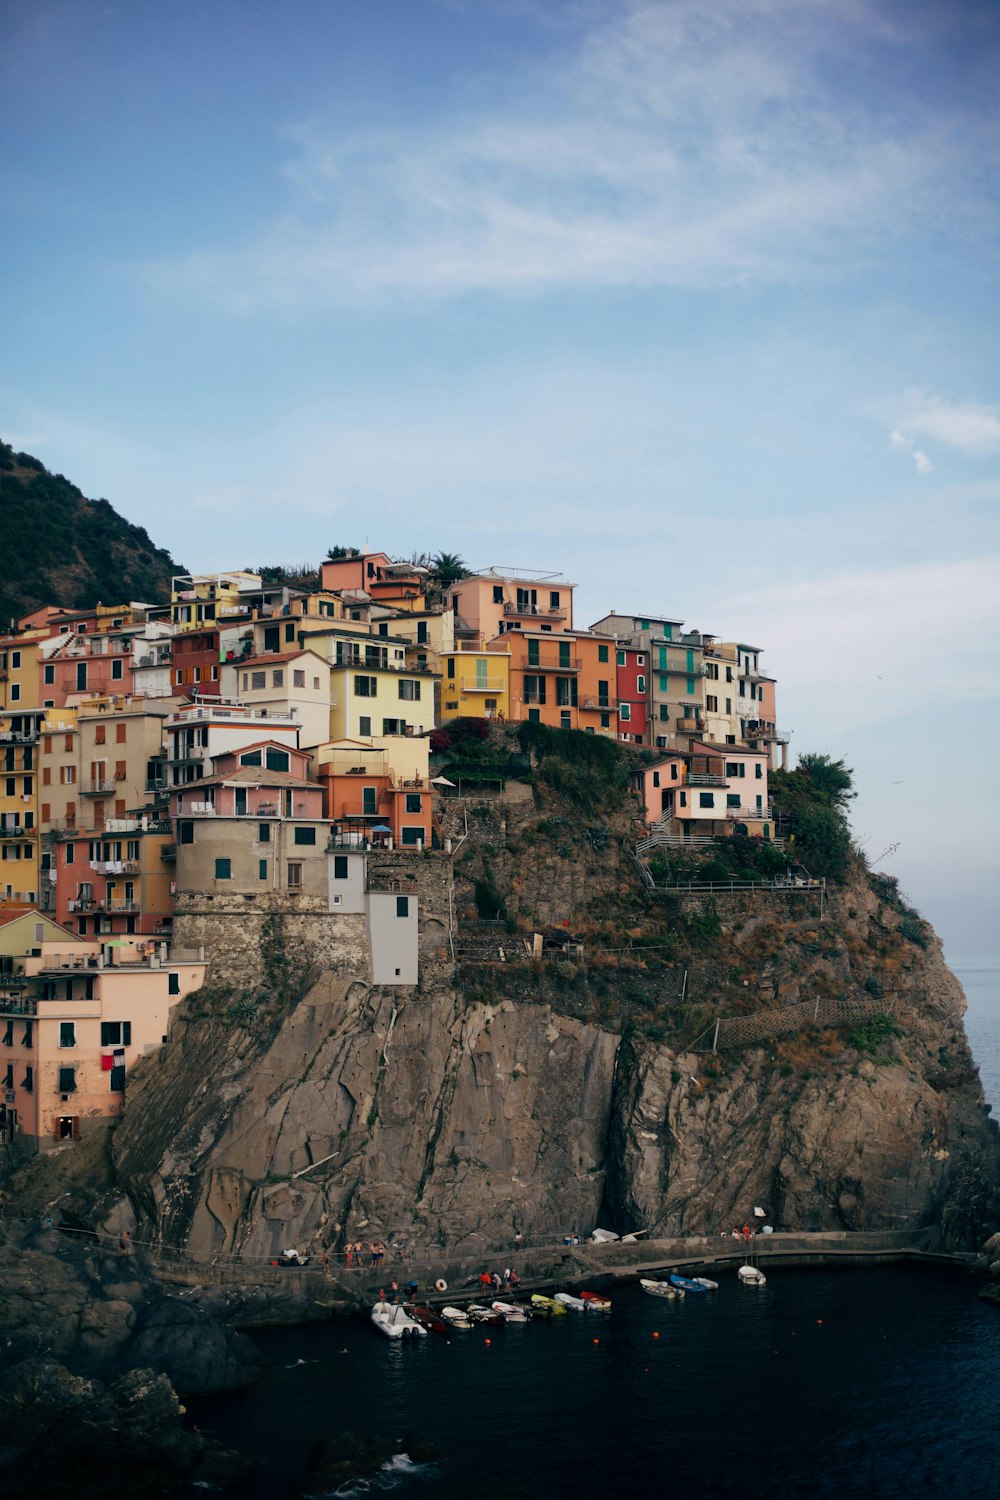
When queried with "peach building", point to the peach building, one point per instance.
{"points": [[375, 574], [71, 1027], [568, 682], [370, 800], [498, 600]]}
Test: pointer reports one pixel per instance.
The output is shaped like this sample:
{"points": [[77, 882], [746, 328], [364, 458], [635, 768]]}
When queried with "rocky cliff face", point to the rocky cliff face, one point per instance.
{"points": [[549, 1095]]}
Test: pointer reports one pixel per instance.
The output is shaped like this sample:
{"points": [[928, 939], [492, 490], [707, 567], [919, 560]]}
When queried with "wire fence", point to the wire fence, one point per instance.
{"points": [[746, 1031]]}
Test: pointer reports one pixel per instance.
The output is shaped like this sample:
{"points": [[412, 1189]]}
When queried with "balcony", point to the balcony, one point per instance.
{"points": [[749, 814], [478, 685], [8, 737], [706, 781], [168, 852], [15, 831], [604, 705], [535, 611], [96, 788], [116, 908], [548, 663], [116, 867], [689, 725]]}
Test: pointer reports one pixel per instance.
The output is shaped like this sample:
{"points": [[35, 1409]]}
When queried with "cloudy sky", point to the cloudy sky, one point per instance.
{"points": [[693, 302]]}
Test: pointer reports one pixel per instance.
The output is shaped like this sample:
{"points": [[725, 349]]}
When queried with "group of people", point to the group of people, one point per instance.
{"points": [[744, 1235], [354, 1254], [493, 1281]]}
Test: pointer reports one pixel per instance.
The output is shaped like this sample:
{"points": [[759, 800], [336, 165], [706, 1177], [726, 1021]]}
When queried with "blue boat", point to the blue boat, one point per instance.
{"points": [[686, 1284]]}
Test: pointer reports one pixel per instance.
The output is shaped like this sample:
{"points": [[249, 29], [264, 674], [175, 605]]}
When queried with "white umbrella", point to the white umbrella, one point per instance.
{"points": [[441, 781]]}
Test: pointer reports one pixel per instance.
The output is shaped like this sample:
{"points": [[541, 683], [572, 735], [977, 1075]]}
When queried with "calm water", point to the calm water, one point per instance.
{"points": [[875, 1383], [881, 1382]]}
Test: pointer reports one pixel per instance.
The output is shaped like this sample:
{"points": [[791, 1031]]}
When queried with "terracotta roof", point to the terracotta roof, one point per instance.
{"points": [[250, 776]]}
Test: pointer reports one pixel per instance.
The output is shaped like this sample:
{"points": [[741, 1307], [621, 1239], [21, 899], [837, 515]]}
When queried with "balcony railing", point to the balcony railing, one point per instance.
{"points": [[606, 705], [116, 866], [542, 611], [96, 788], [706, 781], [749, 814], [550, 663], [117, 907], [168, 852], [15, 831], [479, 686], [8, 737]]}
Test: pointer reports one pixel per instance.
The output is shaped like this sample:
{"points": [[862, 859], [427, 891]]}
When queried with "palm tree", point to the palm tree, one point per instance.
{"points": [[448, 568]]}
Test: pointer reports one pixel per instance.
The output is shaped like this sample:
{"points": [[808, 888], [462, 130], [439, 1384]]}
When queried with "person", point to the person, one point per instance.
{"points": [[497, 1281], [506, 1278], [485, 1280], [379, 1252], [381, 1294], [123, 1243], [395, 1289], [518, 1240], [515, 1280], [349, 1252], [326, 1262]]}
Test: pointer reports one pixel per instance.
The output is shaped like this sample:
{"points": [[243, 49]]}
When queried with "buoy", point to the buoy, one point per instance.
{"points": [[441, 1285], [487, 1341], [819, 1320], [597, 1341], [656, 1335]]}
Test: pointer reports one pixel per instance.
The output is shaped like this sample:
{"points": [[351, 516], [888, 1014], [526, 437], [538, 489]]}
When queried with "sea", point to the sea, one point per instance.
{"points": [[879, 1382]]}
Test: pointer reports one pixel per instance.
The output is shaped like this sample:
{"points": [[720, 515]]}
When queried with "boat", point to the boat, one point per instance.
{"points": [[705, 1284], [510, 1312], [596, 1302], [480, 1314], [659, 1288], [549, 1305], [566, 1300], [752, 1276], [688, 1284], [455, 1317], [426, 1317], [395, 1322]]}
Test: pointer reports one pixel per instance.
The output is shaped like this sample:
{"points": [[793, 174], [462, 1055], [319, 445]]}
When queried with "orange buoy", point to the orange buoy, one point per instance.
{"points": [[488, 1342], [656, 1335], [597, 1341]]}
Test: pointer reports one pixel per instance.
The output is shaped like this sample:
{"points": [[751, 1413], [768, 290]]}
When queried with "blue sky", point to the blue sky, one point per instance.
{"points": [[695, 303]]}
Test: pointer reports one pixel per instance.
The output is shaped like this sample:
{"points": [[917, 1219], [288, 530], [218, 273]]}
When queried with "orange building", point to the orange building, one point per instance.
{"points": [[568, 682], [490, 603], [375, 574], [372, 801]]}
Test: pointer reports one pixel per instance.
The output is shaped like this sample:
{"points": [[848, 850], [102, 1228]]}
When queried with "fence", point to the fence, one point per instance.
{"points": [[745, 1031]]}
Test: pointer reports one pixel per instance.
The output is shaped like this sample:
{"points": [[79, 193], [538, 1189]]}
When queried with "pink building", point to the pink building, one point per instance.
{"points": [[659, 785], [498, 600], [86, 666]]}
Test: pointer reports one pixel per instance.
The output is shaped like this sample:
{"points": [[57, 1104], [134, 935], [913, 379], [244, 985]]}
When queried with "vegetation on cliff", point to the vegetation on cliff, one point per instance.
{"points": [[59, 547]]}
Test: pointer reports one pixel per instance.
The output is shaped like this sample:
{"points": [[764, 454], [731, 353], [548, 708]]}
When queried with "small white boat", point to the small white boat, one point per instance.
{"points": [[568, 1301], [480, 1314], [751, 1276], [395, 1322], [705, 1283], [510, 1312], [455, 1317], [659, 1288]]}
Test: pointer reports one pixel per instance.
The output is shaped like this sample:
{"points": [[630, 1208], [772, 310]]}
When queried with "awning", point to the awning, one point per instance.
{"points": [[441, 781]]}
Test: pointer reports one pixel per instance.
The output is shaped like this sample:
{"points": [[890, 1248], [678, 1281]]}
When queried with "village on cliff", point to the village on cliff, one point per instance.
{"points": [[169, 769]]}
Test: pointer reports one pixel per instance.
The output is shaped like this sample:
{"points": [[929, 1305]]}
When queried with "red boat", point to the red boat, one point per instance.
{"points": [[426, 1317], [596, 1300]]}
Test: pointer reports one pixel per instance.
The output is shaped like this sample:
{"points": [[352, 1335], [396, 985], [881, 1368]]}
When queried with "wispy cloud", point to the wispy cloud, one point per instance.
{"points": [[671, 144], [972, 429]]}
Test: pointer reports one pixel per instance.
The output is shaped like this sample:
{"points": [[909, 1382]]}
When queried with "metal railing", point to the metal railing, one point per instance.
{"points": [[706, 780], [542, 611], [96, 788]]}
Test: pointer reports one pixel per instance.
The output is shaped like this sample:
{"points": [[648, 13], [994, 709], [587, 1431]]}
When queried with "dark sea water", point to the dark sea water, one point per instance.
{"points": [[882, 1383]]}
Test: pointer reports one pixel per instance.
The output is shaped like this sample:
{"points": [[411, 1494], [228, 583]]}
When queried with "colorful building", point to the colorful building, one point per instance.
{"points": [[568, 683], [632, 676], [209, 599], [198, 732], [378, 794], [489, 603], [376, 575], [294, 684], [73, 1025], [476, 683]]}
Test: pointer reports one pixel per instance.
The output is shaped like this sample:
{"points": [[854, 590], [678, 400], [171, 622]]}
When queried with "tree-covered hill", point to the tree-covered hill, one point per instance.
{"points": [[58, 547]]}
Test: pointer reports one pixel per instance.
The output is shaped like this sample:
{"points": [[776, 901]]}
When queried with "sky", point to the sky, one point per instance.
{"points": [[695, 304]]}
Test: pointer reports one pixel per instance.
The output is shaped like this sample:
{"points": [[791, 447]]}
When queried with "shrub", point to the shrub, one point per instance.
{"points": [[915, 931]]}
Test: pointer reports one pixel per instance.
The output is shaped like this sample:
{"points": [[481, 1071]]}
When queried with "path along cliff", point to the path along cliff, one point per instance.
{"points": [[547, 1092]]}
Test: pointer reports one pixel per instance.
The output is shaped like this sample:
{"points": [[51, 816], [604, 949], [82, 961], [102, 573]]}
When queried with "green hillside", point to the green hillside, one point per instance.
{"points": [[58, 547]]}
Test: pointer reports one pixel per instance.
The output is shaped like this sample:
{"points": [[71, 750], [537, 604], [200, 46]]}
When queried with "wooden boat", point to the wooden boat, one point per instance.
{"points": [[659, 1288], [426, 1317], [480, 1314], [550, 1306], [455, 1317], [751, 1276], [510, 1312], [596, 1302], [395, 1322], [687, 1284], [706, 1284]]}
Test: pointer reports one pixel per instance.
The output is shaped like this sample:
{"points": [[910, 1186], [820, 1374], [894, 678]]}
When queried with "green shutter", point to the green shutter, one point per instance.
{"points": [[532, 653]]}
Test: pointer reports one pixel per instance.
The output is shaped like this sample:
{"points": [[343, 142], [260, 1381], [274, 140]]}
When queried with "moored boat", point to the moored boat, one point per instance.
{"points": [[596, 1302], [687, 1284], [395, 1322], [426, 1317], [659, 1288], [706, 1284], [480, 1314], [549, 1305], [510, 1312], [455, 1317], [751, 1276], [565, 1299]]}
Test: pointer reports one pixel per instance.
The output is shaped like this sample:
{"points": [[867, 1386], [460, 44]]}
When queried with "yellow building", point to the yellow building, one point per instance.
{"points": [[205, 600], [476, 684]]}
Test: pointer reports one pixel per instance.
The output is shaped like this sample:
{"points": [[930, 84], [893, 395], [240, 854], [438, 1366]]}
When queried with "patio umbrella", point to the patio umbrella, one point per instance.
{"points": [[441, 781], [380, 828]]}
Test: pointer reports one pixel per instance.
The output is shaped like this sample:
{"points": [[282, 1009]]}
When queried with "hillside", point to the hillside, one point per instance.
{"points": [[58, 547]]}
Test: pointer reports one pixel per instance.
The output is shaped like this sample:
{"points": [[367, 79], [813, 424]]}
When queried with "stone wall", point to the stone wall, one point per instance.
{"points": [[242, 936]]}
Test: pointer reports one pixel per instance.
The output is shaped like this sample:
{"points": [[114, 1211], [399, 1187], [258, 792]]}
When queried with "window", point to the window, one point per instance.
{"points": [[366, 687], [15, 658], [534, 689], [602, 653], [656, 778], [758, 771], [365, 726], [304, 836], [566, 719], [100, 734], [290, 631], [28, 1081], [640, 660], [277, 760], [258, 679], [295, 877], [340, 867], [533, 657], [643, 624], [278, 677], [712, 704], [48, 673], [732, 799], [603, 691], [117, 669], [185, 833], [605, 721], [413, 836], [409, 690], [625, 711], [620, 658], [534, 717], [640, 684], [451, 667], [263, 833], [684, 799], [298, 678], [421, 632], [664, 712], [67, 1033], [706, 799], [497, 594], [118, 1033], [67, 1081], [564, 660], [673, 772], [402, 906], [223, 869], [566, 692], [414, 802], [262, 869], [369, 800]]}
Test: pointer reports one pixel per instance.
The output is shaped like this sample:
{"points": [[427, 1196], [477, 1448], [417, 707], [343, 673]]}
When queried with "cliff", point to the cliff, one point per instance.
{"points": [[61, 548], [511, 1091]]}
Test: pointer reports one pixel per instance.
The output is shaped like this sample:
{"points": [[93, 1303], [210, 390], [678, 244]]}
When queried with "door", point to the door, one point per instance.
{"points": [[241, 801]]}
